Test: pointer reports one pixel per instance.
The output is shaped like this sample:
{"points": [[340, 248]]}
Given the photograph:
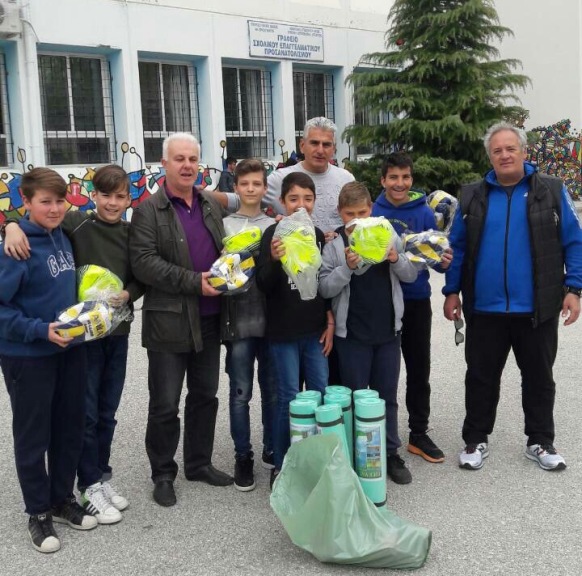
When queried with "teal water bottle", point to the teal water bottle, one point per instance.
{"points": [[370, 447], [345, 401], [302, 419], [330, 421]]}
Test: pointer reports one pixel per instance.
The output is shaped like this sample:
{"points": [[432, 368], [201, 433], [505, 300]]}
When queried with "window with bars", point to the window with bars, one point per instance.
{"points": [[365, 116], [312, 96], [248, 112], [6, 154], [169, 103], [77, 110]]}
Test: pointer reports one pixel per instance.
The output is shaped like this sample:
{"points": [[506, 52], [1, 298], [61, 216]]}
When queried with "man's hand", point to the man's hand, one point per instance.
{"points": [[54, 336], [16, 243], [452, 307], [393, 255], [447, 258], [570, 309], [277, 249], [352, 259], [207, 289]]}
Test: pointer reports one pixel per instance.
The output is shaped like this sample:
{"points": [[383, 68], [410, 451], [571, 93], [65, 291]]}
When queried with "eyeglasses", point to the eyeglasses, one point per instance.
{"points": [[459, 336]]}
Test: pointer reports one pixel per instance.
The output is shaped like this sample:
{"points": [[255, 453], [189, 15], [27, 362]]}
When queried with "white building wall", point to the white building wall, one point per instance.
{"points": [[547, 40]]}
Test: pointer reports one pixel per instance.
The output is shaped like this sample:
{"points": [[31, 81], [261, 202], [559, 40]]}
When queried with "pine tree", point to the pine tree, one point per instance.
{"points": [[441, 83]]}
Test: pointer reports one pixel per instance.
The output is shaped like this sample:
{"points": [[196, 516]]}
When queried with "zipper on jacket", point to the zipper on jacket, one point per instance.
{"points": [[505, 252]]}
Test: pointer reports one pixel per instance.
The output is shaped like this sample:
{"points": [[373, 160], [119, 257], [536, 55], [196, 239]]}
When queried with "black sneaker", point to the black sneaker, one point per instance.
{"points": [[244, 479], [72, 513], [268, 460], [274, 474], [42, 534], [422, 445], [397, 470]]}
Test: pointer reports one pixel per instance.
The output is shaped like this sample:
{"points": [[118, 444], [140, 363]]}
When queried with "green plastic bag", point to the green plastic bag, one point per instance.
{"points": [[319, 500]]}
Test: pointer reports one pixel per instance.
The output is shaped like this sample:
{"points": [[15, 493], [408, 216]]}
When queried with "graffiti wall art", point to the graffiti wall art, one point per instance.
{"points": [[557, 150]]}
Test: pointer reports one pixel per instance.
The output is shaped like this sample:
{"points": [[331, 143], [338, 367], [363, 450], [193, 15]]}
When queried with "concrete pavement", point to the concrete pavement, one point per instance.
{"points": [[509, 518]]}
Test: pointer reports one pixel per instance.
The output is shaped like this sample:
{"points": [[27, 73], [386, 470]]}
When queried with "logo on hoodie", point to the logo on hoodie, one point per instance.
{"points": [[60, 262]]}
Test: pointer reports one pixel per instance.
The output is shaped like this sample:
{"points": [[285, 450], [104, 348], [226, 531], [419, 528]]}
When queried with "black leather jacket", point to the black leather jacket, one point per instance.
{"points": [[160, 259]]}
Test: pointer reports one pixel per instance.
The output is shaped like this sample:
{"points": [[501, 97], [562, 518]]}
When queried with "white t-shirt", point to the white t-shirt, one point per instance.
{"points": [[327, 188]]}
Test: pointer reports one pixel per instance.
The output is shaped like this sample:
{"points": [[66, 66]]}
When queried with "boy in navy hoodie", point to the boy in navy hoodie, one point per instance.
{"points": [[99, 237], [45, 379], [408, 212]]}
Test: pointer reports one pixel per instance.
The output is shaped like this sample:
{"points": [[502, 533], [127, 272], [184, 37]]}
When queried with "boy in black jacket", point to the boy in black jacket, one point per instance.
{"points": [[300, 332]]}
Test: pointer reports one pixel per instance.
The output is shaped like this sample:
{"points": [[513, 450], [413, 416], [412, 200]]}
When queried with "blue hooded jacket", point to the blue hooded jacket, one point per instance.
{"points": [[504, 280], [33, 292], [412, 216]]}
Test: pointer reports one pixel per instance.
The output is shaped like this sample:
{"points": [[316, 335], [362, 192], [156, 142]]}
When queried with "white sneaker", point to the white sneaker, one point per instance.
{"points": [[546, 456], [471, 458], [116, 499], [96, 503]]}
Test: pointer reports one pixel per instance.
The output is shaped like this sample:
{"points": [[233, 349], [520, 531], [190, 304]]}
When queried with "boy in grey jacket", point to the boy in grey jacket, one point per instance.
{"points": [[243, 330], [367, 304]]}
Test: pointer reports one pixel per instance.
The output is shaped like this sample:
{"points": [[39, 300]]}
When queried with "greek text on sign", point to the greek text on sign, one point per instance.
{"points": [[274, 40]]}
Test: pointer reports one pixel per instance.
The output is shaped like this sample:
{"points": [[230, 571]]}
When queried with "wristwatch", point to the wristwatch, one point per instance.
{"points": [[4, 224], [571, 290]]}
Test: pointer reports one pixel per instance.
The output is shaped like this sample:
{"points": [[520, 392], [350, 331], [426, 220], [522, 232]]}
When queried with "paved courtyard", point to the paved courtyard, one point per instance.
{"points": [[509, 518]]}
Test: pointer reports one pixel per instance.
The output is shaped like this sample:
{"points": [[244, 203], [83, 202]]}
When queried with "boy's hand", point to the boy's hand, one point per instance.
{"points": [[277, 249], [16, 243], [207, 289], [119, 299], [352, 259], [54, 336], [327, 339], [447, 258], [329, 236], [393, 255]]}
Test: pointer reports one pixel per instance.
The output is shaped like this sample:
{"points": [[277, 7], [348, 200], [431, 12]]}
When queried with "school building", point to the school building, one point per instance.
{"points": [[89, 82]]}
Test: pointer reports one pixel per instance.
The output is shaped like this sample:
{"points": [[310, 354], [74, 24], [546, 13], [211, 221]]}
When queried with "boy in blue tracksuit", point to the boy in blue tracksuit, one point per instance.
{"points": [[408, 212], [46, 379]]}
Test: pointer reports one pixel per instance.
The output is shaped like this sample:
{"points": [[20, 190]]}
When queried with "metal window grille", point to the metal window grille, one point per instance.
{"points": [[313, 96], [365, 116], [169, 103], [77, 109], [248, 112], [6, 155]]}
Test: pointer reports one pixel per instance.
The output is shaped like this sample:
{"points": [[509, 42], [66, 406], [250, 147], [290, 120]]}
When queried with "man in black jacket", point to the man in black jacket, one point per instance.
{"points": [[175, 237]]}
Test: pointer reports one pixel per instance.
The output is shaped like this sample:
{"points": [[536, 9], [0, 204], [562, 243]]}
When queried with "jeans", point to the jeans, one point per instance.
{"points": [[304, 355], [166, 373], [240, 367], [107, 360], [489, 340], [377, 366], [416, 333], [47, 395]]}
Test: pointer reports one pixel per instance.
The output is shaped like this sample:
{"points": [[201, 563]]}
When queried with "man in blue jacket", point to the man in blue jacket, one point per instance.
{"points": [[514, 234]]}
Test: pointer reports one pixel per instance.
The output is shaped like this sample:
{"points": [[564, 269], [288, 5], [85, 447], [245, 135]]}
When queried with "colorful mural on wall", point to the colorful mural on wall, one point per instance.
{"points": [[558, 151], [143, 182]]}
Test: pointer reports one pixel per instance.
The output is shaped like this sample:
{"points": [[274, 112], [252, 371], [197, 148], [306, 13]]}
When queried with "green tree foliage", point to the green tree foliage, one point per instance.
{"points": [[442, 85]]}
